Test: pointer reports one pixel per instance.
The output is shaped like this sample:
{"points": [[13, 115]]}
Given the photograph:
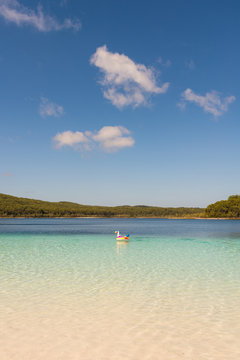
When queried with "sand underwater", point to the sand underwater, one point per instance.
{"points": [[70, 291]]}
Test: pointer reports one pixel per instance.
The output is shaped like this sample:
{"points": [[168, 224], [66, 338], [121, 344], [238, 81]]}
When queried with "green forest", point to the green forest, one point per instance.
{"points": [[229, 208], [12, 206]]}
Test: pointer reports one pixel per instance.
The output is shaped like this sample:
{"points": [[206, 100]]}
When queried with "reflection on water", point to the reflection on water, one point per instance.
{"points": [[154, 227], [120, 245]]}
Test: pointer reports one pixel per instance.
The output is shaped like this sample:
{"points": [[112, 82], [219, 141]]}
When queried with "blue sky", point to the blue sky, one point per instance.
{"points": [[112, 103]]}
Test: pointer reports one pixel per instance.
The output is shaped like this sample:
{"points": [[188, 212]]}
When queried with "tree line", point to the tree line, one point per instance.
{"points": [[12, 206], [229, 208]]}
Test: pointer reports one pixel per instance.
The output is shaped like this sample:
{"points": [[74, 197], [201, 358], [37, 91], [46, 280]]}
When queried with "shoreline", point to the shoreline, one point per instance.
{"points": [[116, 217]]}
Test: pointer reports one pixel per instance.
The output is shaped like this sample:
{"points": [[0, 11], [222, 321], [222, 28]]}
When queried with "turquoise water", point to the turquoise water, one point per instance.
{"points": [[69, 291]]}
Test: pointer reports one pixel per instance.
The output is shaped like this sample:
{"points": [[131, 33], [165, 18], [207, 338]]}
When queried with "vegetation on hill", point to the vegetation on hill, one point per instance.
{"points": [[11, 206], [229, 208]]}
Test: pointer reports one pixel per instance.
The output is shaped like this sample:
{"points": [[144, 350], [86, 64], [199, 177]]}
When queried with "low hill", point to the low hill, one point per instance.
{"points": [[229, 208], [12, 206]]}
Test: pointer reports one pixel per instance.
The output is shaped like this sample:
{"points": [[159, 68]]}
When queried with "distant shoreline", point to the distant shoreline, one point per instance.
{"points": [[12, 207], [115, 217]]}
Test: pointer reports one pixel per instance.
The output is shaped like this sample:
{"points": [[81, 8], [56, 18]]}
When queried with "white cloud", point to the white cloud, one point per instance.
{"points": [[112, 138], [108, 138], [211, 102], [125, 82], [13, 11], [69, 138], [119, 99], [47, 108]]}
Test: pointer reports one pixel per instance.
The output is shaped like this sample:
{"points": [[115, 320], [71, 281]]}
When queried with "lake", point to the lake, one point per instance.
{"points": [[70, 291]]}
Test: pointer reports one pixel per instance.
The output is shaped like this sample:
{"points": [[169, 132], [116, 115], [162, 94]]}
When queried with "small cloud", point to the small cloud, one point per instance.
{"points": [[166, 63], [113, 138], [47, 108], [190, 64], [69, 138], [63, 3], [13, 11], [211, 102], [7, 174], [108, 138], [124, 81], [181, 105]]}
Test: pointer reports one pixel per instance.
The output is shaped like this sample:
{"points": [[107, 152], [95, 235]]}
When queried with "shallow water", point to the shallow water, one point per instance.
{"points": [[69, 291]]}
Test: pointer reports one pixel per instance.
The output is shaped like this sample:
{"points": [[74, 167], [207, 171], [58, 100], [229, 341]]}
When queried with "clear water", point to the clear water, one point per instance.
{"points": [[69, 291]]}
